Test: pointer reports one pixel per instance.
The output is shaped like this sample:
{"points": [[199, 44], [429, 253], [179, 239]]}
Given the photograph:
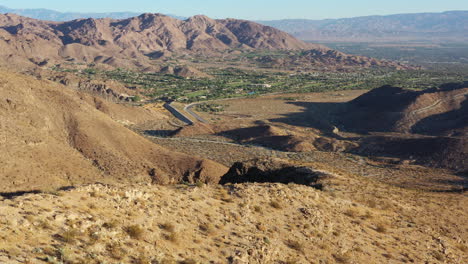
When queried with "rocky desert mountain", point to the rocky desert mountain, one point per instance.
{"points": [[134, 42]]}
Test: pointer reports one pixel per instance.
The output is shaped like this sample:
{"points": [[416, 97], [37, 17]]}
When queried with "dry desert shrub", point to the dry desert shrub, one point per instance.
{"points": [[142, 259], [134, 231], [224, 196], [276, 204], [169, 227], [110, 224], [381, 227], [352, 212], [116, 251], [258, 209], [188, 261], [343, 257], [207, 228], [172, 237], [438, 255], [44, 224], [69, 236], [296, 245]]}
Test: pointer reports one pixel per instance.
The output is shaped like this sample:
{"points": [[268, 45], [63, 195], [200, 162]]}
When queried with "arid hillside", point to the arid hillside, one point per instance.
{"points": [[352, 220], [52, 136], [441, 111], [136, 41]]}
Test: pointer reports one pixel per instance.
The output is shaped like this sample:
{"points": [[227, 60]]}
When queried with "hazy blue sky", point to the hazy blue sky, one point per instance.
{"points": [[250, 9]]}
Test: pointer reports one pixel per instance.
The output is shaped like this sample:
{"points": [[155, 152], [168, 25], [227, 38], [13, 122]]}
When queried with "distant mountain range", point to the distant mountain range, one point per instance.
{"points": [[449, 26], [52, 15]]}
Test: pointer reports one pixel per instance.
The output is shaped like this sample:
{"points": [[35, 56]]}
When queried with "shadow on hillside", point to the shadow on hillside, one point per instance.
{"points": [[158, 133], [438, 124], [323, 116], [12, 195]]}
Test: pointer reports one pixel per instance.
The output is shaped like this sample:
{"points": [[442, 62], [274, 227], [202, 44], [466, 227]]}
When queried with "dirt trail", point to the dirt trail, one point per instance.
{"points": [[436, 103]]}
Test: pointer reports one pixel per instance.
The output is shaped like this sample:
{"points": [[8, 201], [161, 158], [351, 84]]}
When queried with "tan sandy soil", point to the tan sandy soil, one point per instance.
{"points": [[354, 220]]}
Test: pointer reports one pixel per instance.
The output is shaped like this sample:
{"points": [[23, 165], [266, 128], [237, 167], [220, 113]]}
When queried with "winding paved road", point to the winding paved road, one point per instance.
{"points": [[178, 114], [188, 109]]}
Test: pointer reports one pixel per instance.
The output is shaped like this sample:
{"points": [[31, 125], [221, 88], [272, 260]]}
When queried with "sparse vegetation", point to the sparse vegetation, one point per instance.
{"points": [[172, 237], [207, 228], [258, 209], [381, 227], [116, 251], [167, 227], [69, 236], [296, 245], [210, 107], [344, 257], [310, 227], [135, 231], [111, 224], [276, 204]]}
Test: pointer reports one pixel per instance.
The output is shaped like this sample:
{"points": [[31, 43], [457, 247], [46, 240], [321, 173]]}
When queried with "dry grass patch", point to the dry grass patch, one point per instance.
{"points": [[169, 227], [188, 261], [276, 204], [258, 209], [438, 255], [352, 212], [134, 231], [172, 237], [44, 225], [116, 251], [111, 224], [296, 245], [342, 257], [207, 228], [462, 247], [142, 259], [381, 227], [69, 236], [224, 196]]}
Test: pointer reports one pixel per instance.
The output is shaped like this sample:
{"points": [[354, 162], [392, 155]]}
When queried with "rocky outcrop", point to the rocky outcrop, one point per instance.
{"points": [[272, 170]]}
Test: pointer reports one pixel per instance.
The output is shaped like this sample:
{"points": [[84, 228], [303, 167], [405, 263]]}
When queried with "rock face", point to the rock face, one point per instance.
{"points": [[263, 171]]}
